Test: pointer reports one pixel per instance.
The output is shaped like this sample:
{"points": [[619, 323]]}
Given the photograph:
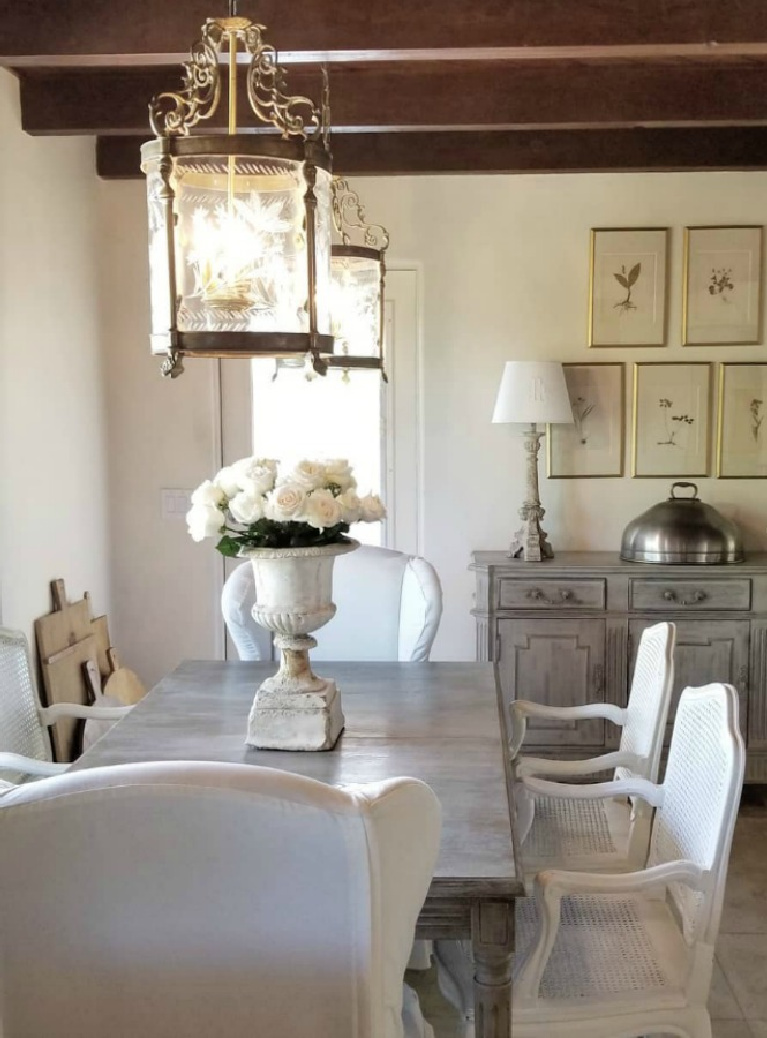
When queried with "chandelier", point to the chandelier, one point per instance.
{"points": [[358, 277], [240, 224]]}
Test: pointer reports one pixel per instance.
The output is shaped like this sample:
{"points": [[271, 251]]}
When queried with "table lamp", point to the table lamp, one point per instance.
{"points": [[532, 392]]}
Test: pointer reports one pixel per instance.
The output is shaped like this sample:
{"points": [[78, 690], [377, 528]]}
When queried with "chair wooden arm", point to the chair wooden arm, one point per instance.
{"points": [[529, 766], [524, 708], [30, 765], [630, 787], [51, 714]]}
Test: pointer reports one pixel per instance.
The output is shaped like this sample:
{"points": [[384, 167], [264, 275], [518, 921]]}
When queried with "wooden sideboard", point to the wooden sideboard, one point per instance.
{"points": [[565, 632]]}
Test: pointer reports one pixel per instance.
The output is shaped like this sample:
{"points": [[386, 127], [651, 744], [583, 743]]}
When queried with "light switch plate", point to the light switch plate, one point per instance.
{"points": [[175, 503]]}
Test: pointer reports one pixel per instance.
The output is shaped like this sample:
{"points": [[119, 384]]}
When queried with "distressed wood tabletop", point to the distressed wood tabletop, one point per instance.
{"points": [[435, 721]]}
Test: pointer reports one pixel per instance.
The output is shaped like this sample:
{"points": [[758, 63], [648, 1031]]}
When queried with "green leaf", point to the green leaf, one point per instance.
{"points": [[621, 280], [228, 546], [634, 273]]}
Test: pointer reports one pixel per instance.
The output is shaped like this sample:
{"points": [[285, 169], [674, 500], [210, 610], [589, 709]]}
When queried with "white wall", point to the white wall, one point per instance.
{"points": [[52, 425], [162, 434], [506, 276], [505, 261]]}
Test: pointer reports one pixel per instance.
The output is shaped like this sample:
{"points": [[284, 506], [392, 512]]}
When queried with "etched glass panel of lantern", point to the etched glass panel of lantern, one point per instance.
{"points": [[239, 224], [358, 273]]}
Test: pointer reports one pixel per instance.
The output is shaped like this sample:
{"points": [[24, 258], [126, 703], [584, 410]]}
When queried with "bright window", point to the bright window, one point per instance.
{"points": [[328, 417]]}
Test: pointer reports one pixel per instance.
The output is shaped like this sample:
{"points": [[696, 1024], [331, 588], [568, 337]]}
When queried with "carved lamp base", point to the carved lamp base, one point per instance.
{"points": [[530, 543]]}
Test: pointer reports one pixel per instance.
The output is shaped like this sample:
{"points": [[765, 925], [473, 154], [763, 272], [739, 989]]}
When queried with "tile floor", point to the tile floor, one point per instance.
{"points": [[738, 1003]]}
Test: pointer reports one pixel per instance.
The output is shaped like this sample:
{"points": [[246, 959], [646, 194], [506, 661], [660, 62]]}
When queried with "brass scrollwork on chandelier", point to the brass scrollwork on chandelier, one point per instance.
{"points": [[350, 222], [176, 113]]}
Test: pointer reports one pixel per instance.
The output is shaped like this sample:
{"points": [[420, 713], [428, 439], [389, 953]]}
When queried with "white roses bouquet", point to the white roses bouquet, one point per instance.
{"points": [[251, 504]]}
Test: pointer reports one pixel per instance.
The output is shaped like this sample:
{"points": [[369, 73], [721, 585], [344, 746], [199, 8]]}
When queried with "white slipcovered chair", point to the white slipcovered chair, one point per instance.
{"points": [[256, 902], [388, 608], [554, 828], [629, 954], [24, 741]]}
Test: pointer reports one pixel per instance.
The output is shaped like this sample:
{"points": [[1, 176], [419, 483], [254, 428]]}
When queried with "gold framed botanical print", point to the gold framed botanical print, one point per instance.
{"points": [[593, 446], [627, 286], [741, 441], [671, 422], [722, 303]]}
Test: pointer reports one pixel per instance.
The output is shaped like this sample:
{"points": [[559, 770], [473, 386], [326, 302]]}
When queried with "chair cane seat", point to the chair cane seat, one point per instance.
{"points": [[608, 949], [592, 832]]}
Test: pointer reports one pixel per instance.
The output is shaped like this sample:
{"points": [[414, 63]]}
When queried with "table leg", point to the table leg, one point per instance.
{"points": [[492, 943]]}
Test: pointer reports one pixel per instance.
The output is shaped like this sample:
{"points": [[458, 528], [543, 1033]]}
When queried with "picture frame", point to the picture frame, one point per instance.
{"points": [[594, 445], [722, 302], [741, 441], [628, 286], [671, 419]]}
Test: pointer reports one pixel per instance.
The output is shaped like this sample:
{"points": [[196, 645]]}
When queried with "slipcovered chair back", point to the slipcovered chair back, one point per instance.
{"points": [[208, 899], [388, 608]]}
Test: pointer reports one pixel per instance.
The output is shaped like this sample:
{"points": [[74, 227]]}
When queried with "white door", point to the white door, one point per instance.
{"points": [[377, 425]]}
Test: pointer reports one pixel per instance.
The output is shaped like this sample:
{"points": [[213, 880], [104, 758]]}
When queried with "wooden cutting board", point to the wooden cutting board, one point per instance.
{"points": [[68, 623], [122, 684], [64, 680], [100, 629]]}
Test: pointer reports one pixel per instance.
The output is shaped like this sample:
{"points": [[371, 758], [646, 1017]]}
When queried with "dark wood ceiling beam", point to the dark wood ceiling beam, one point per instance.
{"points": [[550, 151], [395, 96], [46, 32]]}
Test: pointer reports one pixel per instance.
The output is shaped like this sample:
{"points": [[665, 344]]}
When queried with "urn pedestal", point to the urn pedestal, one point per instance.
{"points": [[295, 709]]}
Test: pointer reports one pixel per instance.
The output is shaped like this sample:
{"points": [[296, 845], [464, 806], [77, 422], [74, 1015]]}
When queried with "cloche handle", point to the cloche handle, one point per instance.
{"points": [[682, 483]]}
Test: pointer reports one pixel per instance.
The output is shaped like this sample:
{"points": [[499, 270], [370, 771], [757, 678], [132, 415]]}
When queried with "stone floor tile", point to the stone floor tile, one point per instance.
{"points": [[731, 1029], [722, 1004], [743, 958], [745, 903]]}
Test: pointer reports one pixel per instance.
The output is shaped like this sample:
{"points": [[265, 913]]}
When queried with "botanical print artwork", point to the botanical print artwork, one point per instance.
{"points": [[722, 285], [581, 411], [593, 444], [627, 279], [627, 305], [742, 439], [673, 424], [671, 419]]}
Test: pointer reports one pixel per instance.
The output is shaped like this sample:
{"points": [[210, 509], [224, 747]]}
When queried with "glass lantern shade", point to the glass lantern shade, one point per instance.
{"points": [[239, 245], [356, 302]]}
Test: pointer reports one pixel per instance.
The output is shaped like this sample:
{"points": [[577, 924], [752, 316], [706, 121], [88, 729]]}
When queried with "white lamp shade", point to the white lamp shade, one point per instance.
{"points": [[533, 391]]}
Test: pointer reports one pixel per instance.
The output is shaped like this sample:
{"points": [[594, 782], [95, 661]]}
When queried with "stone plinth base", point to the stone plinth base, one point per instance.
{"points": [[284, 719]]}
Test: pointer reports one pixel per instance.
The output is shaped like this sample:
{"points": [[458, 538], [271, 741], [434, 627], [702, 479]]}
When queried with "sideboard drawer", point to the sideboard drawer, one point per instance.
{"points": [[665, 595], [551, 594]]}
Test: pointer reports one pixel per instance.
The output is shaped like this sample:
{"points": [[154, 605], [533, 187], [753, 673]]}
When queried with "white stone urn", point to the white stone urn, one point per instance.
{"points": [[295, 709]]}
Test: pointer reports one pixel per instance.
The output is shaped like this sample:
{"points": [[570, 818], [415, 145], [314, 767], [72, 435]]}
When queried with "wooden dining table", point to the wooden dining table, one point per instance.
{"points": [[439, 722]]}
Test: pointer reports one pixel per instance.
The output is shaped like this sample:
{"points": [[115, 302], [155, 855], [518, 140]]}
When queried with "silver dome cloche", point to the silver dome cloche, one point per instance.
{"points": [[682, 531]]}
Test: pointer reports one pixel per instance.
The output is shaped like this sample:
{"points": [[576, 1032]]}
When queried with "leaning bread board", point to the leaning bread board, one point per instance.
{"points": [[64, 681]]}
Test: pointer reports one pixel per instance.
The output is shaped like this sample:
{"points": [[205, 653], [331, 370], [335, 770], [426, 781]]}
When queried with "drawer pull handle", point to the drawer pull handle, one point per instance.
{"points": [[535, 594], [697, 597]]}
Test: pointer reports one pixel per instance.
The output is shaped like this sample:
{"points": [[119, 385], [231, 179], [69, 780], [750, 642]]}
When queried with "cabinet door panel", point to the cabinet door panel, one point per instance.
{"points": [[556, 663], [706, 651]]}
